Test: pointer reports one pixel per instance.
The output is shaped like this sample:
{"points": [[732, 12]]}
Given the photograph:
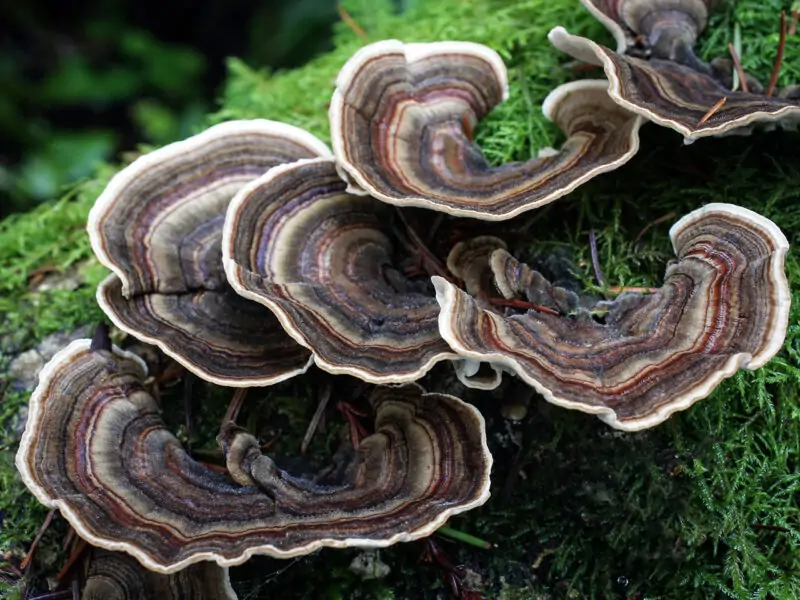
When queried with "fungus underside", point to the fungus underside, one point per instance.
{"points": [[699, 507]]}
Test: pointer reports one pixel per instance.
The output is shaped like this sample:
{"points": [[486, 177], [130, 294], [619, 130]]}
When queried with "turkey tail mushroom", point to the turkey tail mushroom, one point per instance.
{"points": [[96, 448], [158, 227], [402, 117], [321, 259], [724, 305]]}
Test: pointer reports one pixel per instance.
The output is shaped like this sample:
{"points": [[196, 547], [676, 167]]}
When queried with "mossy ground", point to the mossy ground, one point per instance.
{"points": [[705, 505]]}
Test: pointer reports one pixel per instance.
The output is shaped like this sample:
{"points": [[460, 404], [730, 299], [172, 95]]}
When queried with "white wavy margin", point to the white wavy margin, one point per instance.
{"points": [[233, 271], [358, 183], [32, 433], [589, 52], [177, 153], [446, 295]]}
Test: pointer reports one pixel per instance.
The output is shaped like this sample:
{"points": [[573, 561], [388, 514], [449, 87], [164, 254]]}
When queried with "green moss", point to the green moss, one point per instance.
{"points": [[517, 30], [759, 23], [702, 506]]}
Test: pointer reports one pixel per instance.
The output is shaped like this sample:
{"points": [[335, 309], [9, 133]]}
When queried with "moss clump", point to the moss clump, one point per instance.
{"points": [[702, 506]]}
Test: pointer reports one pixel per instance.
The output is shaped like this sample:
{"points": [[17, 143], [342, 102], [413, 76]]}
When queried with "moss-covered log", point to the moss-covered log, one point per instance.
{"points": [[703, 506]]}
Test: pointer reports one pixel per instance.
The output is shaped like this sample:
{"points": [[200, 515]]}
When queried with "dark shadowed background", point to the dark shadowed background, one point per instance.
{"points": [[81, 80]]}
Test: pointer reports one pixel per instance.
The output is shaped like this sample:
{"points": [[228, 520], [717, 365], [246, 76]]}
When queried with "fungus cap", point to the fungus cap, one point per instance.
{"points": [[401, 123], [158, 227], [118, 576], [724, 306], [322, 260], [96, 448], [678, 96], [668, 28]]}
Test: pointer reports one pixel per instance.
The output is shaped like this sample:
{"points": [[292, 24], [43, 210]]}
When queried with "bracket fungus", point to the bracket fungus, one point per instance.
{"points": [[158, 227], [666, 29], [724, 305], [96, 448], [402, 117], [118, 576], [321, 259], [694, 103]]}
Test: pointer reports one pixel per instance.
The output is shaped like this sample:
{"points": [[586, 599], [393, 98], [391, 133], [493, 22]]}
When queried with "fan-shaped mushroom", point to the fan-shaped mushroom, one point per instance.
{"points": [[665, 29], [118, 576], [158, 227], [322, 260], [96, 447], [724, 306], [691, 102], [402, 117]]}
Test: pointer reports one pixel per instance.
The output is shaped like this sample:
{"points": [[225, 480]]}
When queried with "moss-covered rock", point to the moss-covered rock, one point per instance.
{"points": [[703, 506]]}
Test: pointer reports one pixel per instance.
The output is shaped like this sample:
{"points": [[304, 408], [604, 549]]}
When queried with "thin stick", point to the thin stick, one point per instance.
{"points": [[213, 467], [738, 73], [62, 595], [80, 546], [437, 221], [618, 289], [188, 404], [776, 68], [7, 568], [771, 528], [68, 539], [523, 305], [324, 397], [719, 104], [235, 406], [29, 556], [598, 272], [739, 69], [464, 537], [434, 263], [669, 215], [350, 22], [795, 19]]}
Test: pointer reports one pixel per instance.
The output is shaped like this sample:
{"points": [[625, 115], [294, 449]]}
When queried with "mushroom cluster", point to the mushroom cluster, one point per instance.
{"points": [[655, 73], [250, 252]]}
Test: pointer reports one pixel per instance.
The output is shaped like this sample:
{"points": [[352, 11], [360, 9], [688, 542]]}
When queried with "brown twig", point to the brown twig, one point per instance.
{"points": [[739, 70], [776, 68], [522, 304], [431, 262], [213, 467], [598, 272], [719, 104], [357, 430], [62, 595], [29, 556], [9, 570], [324, 397], [669, 215], [350, 21], [80, 546], [234, 407], [618, 289], [437, 222], [795, 19], [771, 528], [188, 404]]}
